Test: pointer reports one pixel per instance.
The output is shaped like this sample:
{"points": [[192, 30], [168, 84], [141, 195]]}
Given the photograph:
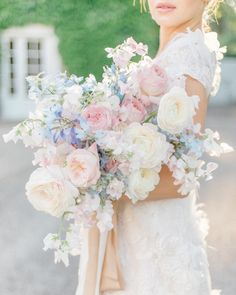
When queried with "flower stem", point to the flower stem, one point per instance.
{"points": [[152, 114]]}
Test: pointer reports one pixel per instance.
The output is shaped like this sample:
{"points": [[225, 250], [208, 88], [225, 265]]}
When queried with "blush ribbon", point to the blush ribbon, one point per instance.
{"points": [[100, 268]]}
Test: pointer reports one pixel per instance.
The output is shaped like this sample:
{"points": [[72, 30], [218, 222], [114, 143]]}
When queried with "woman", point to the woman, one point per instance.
{"points": [[161, 247]]}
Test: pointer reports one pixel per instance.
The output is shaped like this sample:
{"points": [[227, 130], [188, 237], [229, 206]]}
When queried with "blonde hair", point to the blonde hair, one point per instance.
{"points": [[209, 14]]}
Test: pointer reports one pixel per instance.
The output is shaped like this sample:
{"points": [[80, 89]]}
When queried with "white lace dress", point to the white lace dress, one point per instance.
{"points": [[162, 246]]}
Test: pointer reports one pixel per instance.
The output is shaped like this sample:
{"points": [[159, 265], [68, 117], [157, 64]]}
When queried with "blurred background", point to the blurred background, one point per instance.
{"points": [[51, 36]]}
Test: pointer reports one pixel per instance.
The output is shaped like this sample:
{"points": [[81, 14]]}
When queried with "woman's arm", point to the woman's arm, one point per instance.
{"points": [[166, 188]]}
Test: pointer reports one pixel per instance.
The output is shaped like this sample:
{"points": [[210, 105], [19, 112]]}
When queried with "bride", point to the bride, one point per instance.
{"points": [[159, 245]]}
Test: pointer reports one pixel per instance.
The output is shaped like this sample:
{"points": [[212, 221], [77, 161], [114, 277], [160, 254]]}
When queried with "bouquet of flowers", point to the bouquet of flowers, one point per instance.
{"points": [[99, 140]]}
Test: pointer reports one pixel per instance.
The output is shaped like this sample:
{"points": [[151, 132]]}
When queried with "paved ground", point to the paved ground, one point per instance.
{"points": [[25, 269]]}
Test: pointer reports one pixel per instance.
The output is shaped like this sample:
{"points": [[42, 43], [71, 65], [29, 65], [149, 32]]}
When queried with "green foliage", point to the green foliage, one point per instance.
{"points": [[84, 28], [226, 27]]}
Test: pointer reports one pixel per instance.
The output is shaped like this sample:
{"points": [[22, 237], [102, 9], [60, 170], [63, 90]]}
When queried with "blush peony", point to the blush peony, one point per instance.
{"points": [[83, 166], [153, 81], [98, 117]]}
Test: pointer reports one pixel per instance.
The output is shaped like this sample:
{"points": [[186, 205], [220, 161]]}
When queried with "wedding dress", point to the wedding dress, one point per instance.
{"points": [[162, 244]]}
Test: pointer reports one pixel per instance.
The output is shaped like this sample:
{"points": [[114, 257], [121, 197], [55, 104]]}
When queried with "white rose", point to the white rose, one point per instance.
{"points": [[149, 146], [141, 182], [48, 190], [176, 110]]}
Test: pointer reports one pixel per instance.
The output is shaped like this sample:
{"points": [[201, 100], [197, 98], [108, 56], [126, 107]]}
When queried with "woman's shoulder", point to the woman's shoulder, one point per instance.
{"points": [[206, 42], [195, 46], [198, 54]]}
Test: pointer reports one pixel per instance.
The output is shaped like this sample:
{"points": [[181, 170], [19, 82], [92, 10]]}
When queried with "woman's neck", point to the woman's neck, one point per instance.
{"points": [[167, 33]]}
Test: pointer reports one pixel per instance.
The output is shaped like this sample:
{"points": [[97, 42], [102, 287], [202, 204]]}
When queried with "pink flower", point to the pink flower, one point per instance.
{"points": [[153, 81], [98, 117], [139, 48], [111, 165], [132, 109], [83, 166], [122, 57]]}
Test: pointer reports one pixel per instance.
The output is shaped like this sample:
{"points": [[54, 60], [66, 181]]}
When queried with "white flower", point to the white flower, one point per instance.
{"points": [[176, 110], [52, 155], [212, 147], [148, 145], [74, 239], [212, 42], [110, 139], [51, 241], [104, 216], [30, 137], [71, 104], [91, 202], [112, 102], [12, 135], [74, 94], [83, 212], [141, 182], [115, 188], [61, 255], [48, 190]]}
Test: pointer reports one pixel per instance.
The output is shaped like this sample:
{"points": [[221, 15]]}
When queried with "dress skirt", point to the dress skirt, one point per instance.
{"points": [[162, 248]]}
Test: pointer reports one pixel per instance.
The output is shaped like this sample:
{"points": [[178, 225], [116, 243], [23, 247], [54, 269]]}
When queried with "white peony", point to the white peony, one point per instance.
{"points": [[148, 145], [48, 190], [176, 110], [141, 182]]}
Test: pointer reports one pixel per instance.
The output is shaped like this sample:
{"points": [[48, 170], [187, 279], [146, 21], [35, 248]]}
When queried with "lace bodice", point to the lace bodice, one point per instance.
{"points": [[196, 54]]}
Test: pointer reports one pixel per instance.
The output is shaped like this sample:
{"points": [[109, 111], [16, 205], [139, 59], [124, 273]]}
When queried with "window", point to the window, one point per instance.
{"points": [[33, 57], [12, 68], [26, 51]]}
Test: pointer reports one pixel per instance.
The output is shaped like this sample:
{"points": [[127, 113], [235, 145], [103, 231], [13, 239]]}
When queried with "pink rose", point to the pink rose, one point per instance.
{"points": [[83, 166], [153, 81], [98, 117], [132, 109]]}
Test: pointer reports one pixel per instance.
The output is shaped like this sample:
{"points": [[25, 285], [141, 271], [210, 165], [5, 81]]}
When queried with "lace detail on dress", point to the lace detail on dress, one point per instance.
{"points": [[162, 248], [196, 54]]}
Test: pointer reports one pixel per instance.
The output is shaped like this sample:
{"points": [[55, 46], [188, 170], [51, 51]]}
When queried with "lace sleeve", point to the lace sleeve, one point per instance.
{"points": [[195, 60], [198, 55]]}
